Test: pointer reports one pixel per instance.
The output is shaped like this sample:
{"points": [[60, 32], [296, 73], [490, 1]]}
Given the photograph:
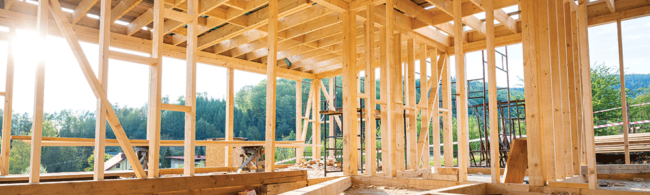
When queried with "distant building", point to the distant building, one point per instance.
{"points": [[177, 161], [117, 163]]}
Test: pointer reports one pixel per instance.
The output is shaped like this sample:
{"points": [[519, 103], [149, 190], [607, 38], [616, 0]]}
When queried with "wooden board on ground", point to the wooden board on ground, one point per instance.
{"points": [[314, 181], [335, 186], [474, 188], [517, 162]]}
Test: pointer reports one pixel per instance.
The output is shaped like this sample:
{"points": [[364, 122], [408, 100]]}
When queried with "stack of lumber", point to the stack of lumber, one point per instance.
{"points": [[639, 142]]}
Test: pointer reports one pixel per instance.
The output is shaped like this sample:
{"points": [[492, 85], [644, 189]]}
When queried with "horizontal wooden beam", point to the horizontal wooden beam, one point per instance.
{"points": [[620, 15], [177, 108], [156, 185], [132, 58], [63, 141], [481, 45], [178, 16]]}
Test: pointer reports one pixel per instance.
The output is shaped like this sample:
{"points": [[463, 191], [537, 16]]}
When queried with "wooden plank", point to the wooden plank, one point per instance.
{"points": [[434, 176], [620, 15], [82, 9], [299, 151], [190, 90], [335, 186], [447, 171], [284, 187], [178, 16], [447, 132], [7, 4], [564, 76], [133, 58], [177, 108], [349, 87], [433, 118], [411, 129], [461, 81], [545, 70], [371, 123], [384, 96], [336, 5], [316, 126], [517, 162], [39, 86], [531, 78], [390, 163], [330, 98], [398, 131], [423, 154], [154, 111], [556, 83], [271, 64], [122, 8], [102, 76], [556, 184], [575, 161], [586, 90], [625, 116], [7, 111], [492, 91], [230, 118], [610, 5], [156, 185]]}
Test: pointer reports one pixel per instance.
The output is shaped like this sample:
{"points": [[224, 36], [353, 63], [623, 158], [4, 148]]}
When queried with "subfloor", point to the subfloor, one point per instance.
{"points": [[624, 185], [370, 189]]}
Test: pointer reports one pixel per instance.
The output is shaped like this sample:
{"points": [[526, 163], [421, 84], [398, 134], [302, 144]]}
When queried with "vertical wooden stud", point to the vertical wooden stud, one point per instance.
{"points": [[155, 86], [461, 89], [411, 131], [386, 114], [350, 74], [37, 125], [492, 92], [626, 127], [190, 89], [316, 133], [102, 75], [230, 116], [447, 129], [271, 86], [6, 120], [556, 83], [571, 65], [299, 150], [371, 124]]}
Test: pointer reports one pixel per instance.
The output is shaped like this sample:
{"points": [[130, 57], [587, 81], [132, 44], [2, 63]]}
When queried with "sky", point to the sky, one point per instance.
{"points": [[66, 88]]}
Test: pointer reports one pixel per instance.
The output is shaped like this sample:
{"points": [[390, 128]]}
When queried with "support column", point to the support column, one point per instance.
{"points": [[386, 118], [155, 86], [411, 131], [586, 90], [6, 120], [447, 129], [349, 93], [230, 117], [102, 76], [398, 84], [564, 76], [190, 89], [332, 126], [556, 83], [426, 103], [271, 70], [571, 65], [461, 90], [492, 93], [371, 124], [626, 126], [299, 150], [316, 117], [37, 125], [532, 50]]}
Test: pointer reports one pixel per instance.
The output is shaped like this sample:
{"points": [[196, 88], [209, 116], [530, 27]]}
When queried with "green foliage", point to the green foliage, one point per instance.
{"points": [[91, 161]]}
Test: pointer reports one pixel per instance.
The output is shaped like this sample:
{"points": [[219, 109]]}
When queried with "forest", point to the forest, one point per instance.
{"points": [[249, 116]]}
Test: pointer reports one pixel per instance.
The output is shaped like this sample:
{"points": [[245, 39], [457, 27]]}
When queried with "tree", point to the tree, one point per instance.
{"points": [[91, 161]]}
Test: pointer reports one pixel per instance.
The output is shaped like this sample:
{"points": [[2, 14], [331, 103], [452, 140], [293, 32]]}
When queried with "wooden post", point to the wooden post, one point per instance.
{"points": [[102, 76], [492, 92], [349, 93], [546, 87], [316, 118], [386, 115], [411, 131], [423, 154], [579, 120], [371, 124], [230, 117], [532, 50], [271, 86], [6, 120], [37, 125], [564, 76], [299, 150], [556, 84], [461, 90], [190, 89], [586, 90], [398, 152], [155, 86], [447, 129], [626, 127], [571, 63], [434, 105]]}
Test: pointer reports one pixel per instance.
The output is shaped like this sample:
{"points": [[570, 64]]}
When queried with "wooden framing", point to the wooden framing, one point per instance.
{"points": [[271, 87], [626, 142], [297, 39], [7, 111]]}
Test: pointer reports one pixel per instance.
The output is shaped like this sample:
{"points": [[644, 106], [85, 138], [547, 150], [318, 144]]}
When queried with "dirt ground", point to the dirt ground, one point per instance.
{"points": [[643, 186], [369, 189]]}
